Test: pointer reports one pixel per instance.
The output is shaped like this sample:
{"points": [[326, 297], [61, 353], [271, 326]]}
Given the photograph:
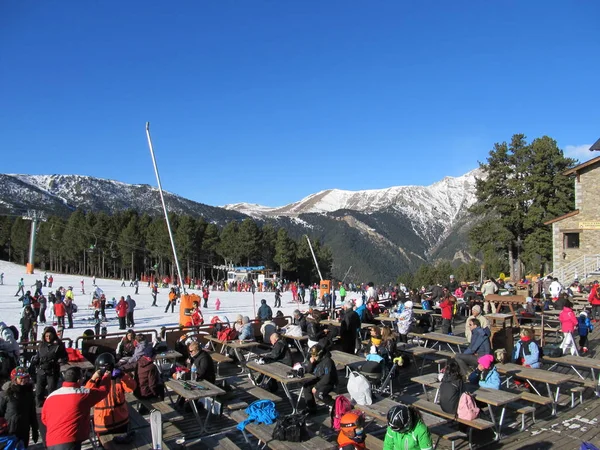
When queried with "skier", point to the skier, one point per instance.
{"points": [[45, 279], [82, 286], [130, 308], [21, 287], [172, 300], [154, 293], [277, 299], [2, 278], [205, 294], [50, 281], [69, 299]]}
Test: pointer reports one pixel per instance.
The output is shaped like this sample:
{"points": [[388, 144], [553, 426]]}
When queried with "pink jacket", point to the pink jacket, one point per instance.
{"points": [[568, 321]]}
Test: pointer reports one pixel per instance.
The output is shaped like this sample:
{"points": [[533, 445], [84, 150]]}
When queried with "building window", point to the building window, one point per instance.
{"points": [[571, 240]]}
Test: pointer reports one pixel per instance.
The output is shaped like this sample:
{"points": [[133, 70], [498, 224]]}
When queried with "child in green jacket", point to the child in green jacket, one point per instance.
{"points": [[406, 430]]}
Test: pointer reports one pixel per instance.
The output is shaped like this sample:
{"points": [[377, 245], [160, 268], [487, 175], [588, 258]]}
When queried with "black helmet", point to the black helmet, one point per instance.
{"points": [[400, 418], [105, 361]]}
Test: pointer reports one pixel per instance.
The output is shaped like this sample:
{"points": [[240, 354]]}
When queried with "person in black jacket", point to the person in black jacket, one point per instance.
{"points": [[451, 388], [17, 406], [349, 328], [280, 351], [323, 368], [299, 320], [205, 367], [51, 354]]}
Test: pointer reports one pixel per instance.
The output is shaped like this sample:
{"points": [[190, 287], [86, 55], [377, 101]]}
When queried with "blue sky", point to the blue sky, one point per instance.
{"points": [[269, 101]]}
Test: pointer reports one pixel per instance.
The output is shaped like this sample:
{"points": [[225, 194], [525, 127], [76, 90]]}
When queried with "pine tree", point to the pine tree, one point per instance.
{"points": [[285, 252], [521, 189], [249, 240], [229, 247]]}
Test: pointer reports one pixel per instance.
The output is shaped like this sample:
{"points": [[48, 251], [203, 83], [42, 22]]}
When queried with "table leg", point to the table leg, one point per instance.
{"points": [[289, 396], [299, 345], [493, 419], [197, 415], [577, 372], [553, 397]]}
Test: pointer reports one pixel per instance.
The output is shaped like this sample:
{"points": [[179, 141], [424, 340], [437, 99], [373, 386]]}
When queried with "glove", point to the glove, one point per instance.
{"points": [[116, 373], [35, 435]]}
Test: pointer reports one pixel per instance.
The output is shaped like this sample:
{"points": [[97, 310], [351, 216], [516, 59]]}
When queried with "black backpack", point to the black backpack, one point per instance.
{"points": [[291, 428]]}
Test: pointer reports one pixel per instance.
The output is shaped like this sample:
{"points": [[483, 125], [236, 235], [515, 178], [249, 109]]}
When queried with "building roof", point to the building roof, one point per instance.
{"points": [[564, 216], [596, 146], [591, 162]]}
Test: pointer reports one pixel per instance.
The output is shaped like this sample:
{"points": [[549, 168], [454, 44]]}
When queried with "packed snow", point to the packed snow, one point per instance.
{"points": [[145, 316]]}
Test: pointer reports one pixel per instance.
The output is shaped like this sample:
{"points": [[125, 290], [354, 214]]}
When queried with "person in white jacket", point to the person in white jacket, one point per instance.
{"points": [[405, 320]]}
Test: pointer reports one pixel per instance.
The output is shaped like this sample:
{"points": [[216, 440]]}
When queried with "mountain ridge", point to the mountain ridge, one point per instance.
{"points": [[380, 232]]}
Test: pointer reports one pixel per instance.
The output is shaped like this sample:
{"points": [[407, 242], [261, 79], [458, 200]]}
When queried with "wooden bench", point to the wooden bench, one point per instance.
{"points": [[523, 410], [263, 394], [534, 398], [373, 443], [264, 434], [160, 405], [224, 443], [219, 359]]}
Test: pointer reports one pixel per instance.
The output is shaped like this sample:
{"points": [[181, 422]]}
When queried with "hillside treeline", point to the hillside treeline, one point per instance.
{"points": [[129, 245]]}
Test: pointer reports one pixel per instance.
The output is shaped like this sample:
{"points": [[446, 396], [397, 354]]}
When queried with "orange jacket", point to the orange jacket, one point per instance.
{"points": [[112, 412], [172, 297]]}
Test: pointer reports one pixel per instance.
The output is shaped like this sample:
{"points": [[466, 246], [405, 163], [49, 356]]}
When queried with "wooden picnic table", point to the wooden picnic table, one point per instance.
{"points": [[192, 391], [299, 341], [347, 360], [165, 357], [539, 375], [447, 339], [491, 397], [506, 300], [386, 319], [575, 362], [418, 351], [279, 372], [236, 345]]}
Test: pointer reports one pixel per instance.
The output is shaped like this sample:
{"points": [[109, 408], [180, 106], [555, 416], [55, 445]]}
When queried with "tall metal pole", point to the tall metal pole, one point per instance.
{"points": [[34, 216], [162, 199], [314, 257]]}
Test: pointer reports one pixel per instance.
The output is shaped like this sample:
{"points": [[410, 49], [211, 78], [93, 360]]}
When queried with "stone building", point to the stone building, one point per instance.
{"points": [[576, 235]]}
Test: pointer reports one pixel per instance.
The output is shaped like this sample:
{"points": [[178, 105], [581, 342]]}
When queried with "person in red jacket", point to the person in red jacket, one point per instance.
{"points": [[594, 299], [66, 412], [447, 305], [59, 312], [197, 317], [121, 310]]}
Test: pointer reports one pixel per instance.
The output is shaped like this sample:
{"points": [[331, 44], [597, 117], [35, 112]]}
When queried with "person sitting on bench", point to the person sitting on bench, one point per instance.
{"points": [[201, 360], [280, 351], [323, 368], [480, 346]]}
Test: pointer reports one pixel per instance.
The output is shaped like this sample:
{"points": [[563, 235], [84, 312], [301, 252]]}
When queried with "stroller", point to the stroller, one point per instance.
{"points": [[379, 376]]}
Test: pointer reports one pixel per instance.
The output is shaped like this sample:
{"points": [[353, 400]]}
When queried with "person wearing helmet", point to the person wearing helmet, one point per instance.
{"points": [[323, 368], [406, 430], [111, 414], [352, 436], [17, 406]]}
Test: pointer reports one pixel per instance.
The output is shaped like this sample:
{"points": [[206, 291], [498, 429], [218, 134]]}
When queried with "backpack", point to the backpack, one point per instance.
{"points": [[359, 389], [342, 406], [467, 408], [227, 334], [291, 428]]}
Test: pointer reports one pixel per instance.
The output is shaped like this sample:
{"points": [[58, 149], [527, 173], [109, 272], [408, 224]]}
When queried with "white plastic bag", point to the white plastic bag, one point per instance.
{"points": [[359, 389]]}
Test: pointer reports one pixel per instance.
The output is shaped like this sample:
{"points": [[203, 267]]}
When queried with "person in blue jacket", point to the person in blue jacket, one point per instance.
{"points": [[584, 326], [480, 346], [486, 375], [526, 351]]}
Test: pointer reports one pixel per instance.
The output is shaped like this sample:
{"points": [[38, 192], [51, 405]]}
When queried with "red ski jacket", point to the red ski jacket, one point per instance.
{"points": [[66, 412]]}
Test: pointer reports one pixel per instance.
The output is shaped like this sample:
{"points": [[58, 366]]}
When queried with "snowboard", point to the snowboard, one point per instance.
{"points": [[156, 429]]}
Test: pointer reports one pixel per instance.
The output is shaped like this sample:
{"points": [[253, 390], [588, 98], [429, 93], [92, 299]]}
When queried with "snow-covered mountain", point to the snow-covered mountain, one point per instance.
{"points": [[380, 233], [442, 202], [61, 194]]}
